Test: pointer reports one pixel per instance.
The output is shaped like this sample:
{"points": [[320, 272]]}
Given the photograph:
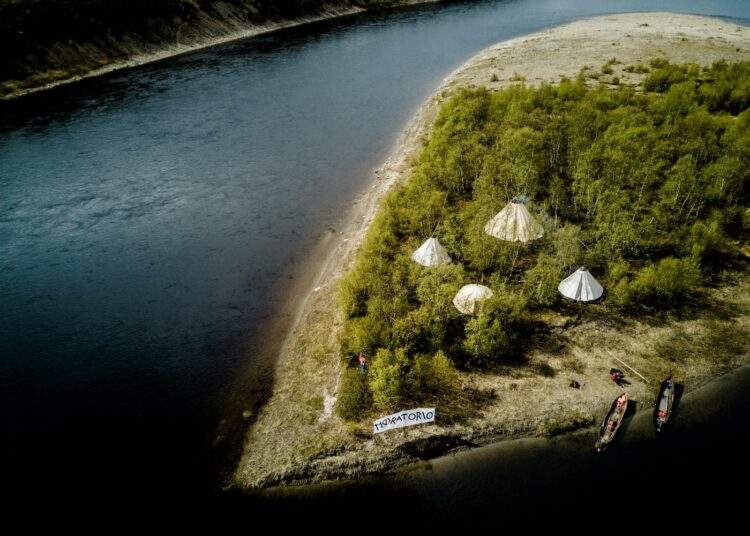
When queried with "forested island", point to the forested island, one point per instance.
{"points": [[49, 41], [628, 138], [647, 189]]}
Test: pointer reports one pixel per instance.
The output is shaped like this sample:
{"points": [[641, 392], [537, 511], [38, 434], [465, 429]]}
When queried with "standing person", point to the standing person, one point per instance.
{"points": [[361, 360]]}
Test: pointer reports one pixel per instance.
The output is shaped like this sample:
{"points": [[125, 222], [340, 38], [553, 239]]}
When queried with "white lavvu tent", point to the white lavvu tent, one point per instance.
{"points": [[580, 286], [466, 299], [514, 223], [431, 253]]}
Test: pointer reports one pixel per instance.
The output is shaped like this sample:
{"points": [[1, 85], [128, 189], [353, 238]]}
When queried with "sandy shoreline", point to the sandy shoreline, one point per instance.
{"points": [[297, 438]]}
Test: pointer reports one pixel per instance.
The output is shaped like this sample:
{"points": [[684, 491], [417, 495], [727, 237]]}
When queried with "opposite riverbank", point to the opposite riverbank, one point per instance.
{"points": [[298, 438], [47, 44]]}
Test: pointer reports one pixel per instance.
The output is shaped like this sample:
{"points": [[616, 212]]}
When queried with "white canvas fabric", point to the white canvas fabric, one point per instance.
{"points": [[466, 299], [431, 253], [580, 286], [515, 224]]}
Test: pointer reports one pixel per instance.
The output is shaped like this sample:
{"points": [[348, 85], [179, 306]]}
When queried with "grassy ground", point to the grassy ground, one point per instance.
{"points": [[562, 383]]}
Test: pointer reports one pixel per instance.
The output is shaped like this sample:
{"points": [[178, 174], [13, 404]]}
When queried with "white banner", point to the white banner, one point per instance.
{"points": [[408, 417]]}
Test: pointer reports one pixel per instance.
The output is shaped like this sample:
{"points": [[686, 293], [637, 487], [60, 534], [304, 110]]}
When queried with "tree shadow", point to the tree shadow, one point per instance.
{"points": [[462, 405], [426, 448]]}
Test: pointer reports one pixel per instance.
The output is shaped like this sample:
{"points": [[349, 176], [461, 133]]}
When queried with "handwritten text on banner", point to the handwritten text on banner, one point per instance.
{"points": [[408, 417]]}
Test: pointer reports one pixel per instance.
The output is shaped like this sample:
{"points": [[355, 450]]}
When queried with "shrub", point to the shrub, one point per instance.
{"points": [[669, 279], [362, 334], [542, 280], [387, 375], [431, 375], [485, 340], [354, 399], [665, 74]]}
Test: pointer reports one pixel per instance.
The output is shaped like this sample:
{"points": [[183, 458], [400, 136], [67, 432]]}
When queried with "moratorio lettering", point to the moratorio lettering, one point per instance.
{"points": [[408, 417]]}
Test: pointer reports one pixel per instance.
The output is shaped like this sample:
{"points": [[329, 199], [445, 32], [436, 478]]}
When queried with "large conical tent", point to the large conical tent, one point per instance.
{"points": [[514, 223], [466, 299], [431, 253], [581, 287]]}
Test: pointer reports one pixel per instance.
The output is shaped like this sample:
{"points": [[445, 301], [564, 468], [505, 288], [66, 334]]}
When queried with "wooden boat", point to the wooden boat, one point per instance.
{"points": [[612, 422], [663, 406]]}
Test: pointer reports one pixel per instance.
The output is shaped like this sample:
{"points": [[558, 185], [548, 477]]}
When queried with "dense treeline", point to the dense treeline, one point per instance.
{"points": [[648, 189], [64, 37]]}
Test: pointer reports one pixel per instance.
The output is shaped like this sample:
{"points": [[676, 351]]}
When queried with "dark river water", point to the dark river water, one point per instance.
{"points": [[152, 222]]}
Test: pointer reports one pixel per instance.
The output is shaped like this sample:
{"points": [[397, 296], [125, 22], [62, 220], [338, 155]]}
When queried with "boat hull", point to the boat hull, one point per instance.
{"points": [[664, 403], [612, 422]]}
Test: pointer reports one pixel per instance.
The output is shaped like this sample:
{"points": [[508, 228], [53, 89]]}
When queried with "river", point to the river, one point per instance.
{"points": [[152, 222]]}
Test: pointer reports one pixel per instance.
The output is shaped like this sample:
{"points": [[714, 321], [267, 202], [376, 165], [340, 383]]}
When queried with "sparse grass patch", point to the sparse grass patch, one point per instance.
{"points": [[574, 364], [715, 341], [566, 423]]}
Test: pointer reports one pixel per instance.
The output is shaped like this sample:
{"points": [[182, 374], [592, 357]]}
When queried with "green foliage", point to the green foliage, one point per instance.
{"points": [[354, 398], [489, 336], [485, 340], [431, 375], [664, 75], [641, 188], [388, 378], [660, 283]]}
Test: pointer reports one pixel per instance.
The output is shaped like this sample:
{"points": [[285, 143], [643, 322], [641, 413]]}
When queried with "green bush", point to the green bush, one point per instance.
{"points": [[485, 340], [354, 398], [660, 283], [664, 75], [387, 378], [542, 280], [431, 375], [670, 278]]}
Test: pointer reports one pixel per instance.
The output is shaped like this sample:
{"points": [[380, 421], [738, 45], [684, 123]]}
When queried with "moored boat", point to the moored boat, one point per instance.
{"points": [[612, 422], [663, 406]]}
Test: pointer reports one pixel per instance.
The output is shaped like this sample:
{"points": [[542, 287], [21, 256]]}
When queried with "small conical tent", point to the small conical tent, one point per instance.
{"points": [[514, 223], [431, 253], [580, 286], [466, 299]]}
